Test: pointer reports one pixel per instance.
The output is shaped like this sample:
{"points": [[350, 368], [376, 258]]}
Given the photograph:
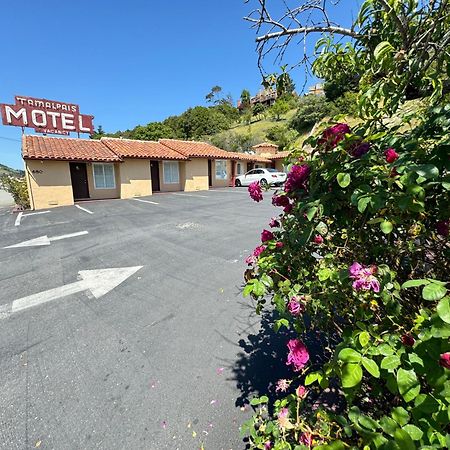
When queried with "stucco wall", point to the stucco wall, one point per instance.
{"points": [[135, 178], [49, 183], [279, 165], [195, 175], [97, 194], [170, 187]]}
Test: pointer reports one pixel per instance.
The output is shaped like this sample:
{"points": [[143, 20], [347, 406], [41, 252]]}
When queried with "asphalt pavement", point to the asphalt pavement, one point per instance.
{"points": [[141, 357]]}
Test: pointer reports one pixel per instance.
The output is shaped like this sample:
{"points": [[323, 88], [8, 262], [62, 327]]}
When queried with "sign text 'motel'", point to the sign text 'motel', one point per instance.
{"points": [[46, 116]]}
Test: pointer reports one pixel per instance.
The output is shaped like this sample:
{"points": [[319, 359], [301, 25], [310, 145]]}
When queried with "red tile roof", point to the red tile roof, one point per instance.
{"points": [[251, 157], [265, 144], [129, 148], [66, 149], [194, 149], [278, 155]]}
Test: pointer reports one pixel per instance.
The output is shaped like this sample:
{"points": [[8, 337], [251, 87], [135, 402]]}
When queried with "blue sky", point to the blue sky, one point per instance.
{"points": [[126, 63]]}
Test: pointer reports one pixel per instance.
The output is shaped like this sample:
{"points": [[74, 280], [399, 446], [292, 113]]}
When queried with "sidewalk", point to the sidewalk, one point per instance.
{"points": [[5, 198]]}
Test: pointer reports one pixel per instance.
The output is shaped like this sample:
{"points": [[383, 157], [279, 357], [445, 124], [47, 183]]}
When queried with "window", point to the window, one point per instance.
{"points": [[104, 177], [221, 169], [239, 169], [171, 172]]}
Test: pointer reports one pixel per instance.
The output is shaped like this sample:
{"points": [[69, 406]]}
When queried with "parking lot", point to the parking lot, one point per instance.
{"points": [[136, 357]]}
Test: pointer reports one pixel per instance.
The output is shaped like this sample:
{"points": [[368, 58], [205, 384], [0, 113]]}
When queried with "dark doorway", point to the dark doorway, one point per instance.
{"points": [[210, 172], [250, 166], [154, 168], [78, 175]]}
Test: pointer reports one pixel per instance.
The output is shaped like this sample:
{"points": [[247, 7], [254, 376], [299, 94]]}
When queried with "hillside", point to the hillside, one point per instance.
{"points": [[5, 170]]}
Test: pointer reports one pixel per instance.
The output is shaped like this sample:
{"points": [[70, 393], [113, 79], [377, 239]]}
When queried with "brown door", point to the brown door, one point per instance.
{"points": [[78, 174], [209, 172], [154, 168]]}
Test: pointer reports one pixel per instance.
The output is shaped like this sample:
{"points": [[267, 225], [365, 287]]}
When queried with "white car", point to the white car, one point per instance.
{"points": [[265, 177]]}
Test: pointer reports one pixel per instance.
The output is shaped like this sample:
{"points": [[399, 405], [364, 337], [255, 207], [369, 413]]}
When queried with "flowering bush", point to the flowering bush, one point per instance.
{"points": [[362, 273]]}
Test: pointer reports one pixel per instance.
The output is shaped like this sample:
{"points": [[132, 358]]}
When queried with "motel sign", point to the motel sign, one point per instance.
{"points": [[46, 116]]}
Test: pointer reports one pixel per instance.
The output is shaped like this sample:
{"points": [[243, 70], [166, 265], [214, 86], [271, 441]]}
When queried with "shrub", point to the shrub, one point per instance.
{"points": [[311, 109], [355, 269], [281, 136], [17, 187]]}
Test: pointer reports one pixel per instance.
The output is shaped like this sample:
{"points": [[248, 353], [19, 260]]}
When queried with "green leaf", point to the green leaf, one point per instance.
{"points": [[368, 422], [363, 202], [343, 179], [364, 338], [371, 366], [404, 440], [414, 283], [408, 384], [433, 292], [386, 227], [427, 170], [400, 415], [443, 309], [349, 355], [311, 212], [390, 362], [382, 50], [414, 432], [351, 375], [311, 377], [324, 274], [388, 425]]}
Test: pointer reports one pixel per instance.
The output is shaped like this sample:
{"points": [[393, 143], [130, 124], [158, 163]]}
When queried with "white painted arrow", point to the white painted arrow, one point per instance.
{"points": [[45, 240], [98, 282]]}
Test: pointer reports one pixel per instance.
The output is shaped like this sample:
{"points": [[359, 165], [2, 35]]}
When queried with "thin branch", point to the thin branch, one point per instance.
{"points": [[307, 30]]}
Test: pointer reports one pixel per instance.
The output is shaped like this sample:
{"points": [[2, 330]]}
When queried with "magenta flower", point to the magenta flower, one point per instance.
{"points": [[250, 260], [444, 360], [443, 227], [279, 245], [318, 239], [333, 135], [360, 149], [280, 200], [295, 307], [298, 354], [255, 191], [274, 223], [266, 235], [258, 250], [364, 278], [408, 340], [391, 155], [297, 178], [267, 445]]}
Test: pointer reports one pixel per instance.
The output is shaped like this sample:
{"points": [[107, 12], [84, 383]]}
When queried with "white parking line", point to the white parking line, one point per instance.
{"points": [[190, 195], [84, 209], [36, 213], [18, 219], [145, 201]]}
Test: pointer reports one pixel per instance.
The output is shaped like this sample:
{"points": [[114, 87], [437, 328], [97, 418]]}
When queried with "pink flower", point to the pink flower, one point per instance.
{"points": [[283, 418], [408, 340], [267, 445], [266, 235], [258, 250], [443, 227], [282, 385], [301, 392], [364, 277], [318, 239], [297, 177], [280, 200], [274, 223], [298, 354], [391, 155], [333, 135], [279, 245], [444, 360], [295, 307], [305, 439], [255, 191]]}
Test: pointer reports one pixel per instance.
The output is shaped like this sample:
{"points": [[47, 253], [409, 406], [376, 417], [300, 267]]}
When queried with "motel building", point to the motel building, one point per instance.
{"points": [[61, 171]]}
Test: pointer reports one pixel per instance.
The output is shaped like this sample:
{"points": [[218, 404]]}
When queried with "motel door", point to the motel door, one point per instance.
{"points": [[78, 174], [154, 169]]}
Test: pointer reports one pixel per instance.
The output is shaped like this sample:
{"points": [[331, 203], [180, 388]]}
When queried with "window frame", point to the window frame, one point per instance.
{"points": [[224, 161], [102, 165], [164, 172]]}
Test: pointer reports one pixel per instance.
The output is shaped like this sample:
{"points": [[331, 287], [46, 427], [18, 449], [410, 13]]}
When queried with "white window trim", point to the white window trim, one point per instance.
{"points": [[164, 172], [226, 169], [114, 176]]}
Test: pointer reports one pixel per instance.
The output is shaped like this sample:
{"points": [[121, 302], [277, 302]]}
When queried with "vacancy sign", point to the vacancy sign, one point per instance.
{"points": [[46, 116]]}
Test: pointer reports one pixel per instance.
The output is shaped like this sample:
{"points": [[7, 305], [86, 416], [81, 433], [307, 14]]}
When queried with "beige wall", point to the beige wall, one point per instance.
{"points": [[49, 183], [279, 165], [135, 178], [170, 187], [195, 175], [98, 194]]}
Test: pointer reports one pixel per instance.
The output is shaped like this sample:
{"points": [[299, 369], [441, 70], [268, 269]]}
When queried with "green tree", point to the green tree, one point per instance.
{"points": [[311, 109], [282, 136], [279, 108], [154, 131], [258, 110], [285, 84], [212, 96], [245, 99]]}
